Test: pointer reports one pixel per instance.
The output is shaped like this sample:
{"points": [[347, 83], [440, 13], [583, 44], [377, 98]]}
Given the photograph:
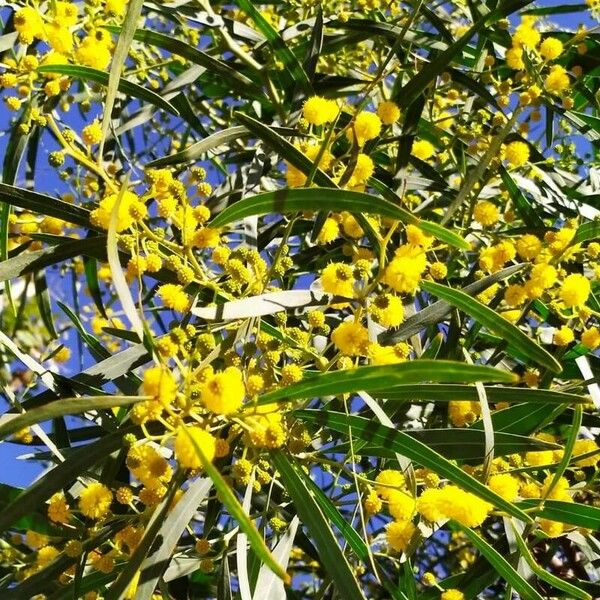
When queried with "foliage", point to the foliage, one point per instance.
{"points": [[300, 299]]}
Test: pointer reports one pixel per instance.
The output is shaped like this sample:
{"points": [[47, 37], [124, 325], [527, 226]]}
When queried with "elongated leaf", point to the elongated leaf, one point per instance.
{"points": [[118, 589], [10, 423], [556, 582], [44, 205], [290, 153], [265, 304], [172, 527], [237, 81], [385, 377], [311, 515], [438, 310], [60, 476], [495, 323], [579, 515], [114, 82], [31, 261], [401, 442], [465, 444], [587, 231], [447, 392], [129, 88], [528, 213], [502, 566], [235, 509]]}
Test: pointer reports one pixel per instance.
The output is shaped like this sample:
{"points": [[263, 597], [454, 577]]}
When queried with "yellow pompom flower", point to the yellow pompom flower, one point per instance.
{"points": [[28, 23], [187, 441], [463, 412], [486, 213], [452, 594], [115, 7], [514, 58], [422, 149], [388, 112], [389, 481], [525, 34], [529, 246], [92, 133], [95, 501], [399, 534], [223, 393], [563, 336], [517, 153], [131, 209], [58, 509], [367, 126], [551, 48], [401, 505], [338, 279], [505, 485], [590, 338], [351, 338], [387, 310], [160, 384], [174, 297], [575, 290], [583, 447], [557, 81], [318, 111], [453, 502], [403, 273], [93, 53]]}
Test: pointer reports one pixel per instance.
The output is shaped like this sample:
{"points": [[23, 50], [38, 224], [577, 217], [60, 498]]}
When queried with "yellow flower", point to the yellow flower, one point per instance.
{"points": [[453, 503], [399, 534], [463, 412], [486, 213], [58, 509], [362, 171], [338, 279], [174, 297], [160, 384], [525, 35], [28, 22], [318, 111], [563, 336], [583, 447], [557, 81], [367, 126], [95, 501], [517, 153], [60, 38], [388, 310], [66, 13], [551, 48], [417, 237], [92, 133], [388, 112], [423, 149], [223, 393], [590, 338], [188, 438], [514, 58], [389, 481], [403, 273], [575, 290], [329, 232], [438, 270], [131, 209], [515, 295], [93, 53], [115, 7], [505, 485], [206, 237], [351, 338], [401, 505], [452, 594], [529, 246]]}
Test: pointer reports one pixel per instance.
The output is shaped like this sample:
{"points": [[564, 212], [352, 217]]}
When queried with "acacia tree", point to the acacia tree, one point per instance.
{"points": [[300, 299]]}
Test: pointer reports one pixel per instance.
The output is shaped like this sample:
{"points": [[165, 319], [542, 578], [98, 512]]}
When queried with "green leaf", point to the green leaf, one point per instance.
{"points": [[228, 498], [501, 565], [464, 444], [237, 81], [10, 422], [556, 582], [169, 533], [572, 513], [290, 153], [402, 443], [118, 589], [587, 231], [297, 75], [79, 461], [447, 392], [438, 310], [44, 205], [495, 323], [42, 297], [528, 213], [129, 88], [311, 515], [35, 260], [384, 377]]}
